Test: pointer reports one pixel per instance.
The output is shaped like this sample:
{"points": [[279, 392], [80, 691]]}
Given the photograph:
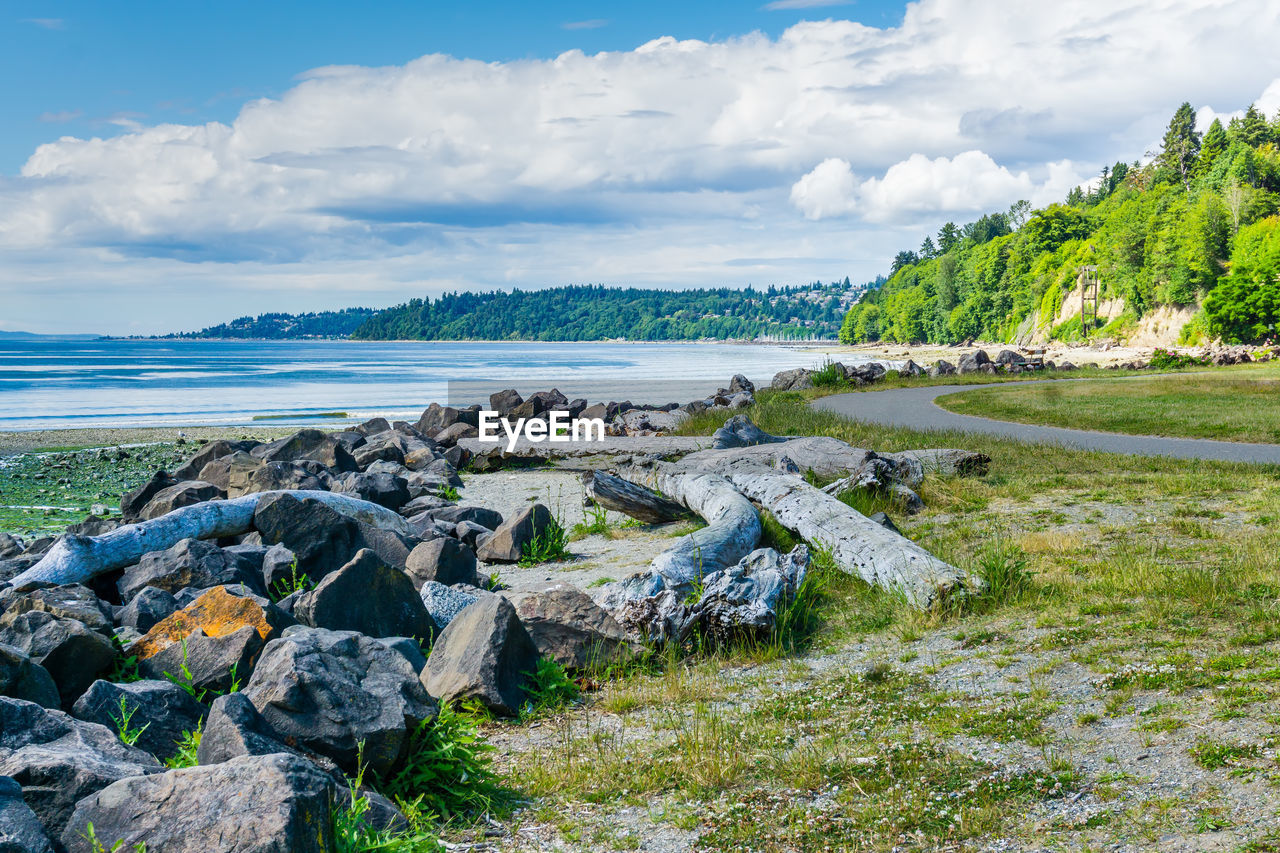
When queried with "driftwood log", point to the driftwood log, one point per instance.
{"points": [[619, 495], [76, 559]]}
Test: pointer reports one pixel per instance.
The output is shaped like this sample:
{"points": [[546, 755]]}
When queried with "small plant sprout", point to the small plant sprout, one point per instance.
{"points": [[122, 717]]}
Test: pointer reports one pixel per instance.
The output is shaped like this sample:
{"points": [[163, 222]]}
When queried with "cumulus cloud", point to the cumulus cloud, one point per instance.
{"points": [[707, 151]]}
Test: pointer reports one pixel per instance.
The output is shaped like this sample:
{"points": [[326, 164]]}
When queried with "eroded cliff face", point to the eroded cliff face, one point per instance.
{"points": [[1159, 327]]}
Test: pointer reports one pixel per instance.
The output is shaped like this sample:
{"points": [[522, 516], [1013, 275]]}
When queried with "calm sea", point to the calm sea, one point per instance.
{"points": [[58, 383]]}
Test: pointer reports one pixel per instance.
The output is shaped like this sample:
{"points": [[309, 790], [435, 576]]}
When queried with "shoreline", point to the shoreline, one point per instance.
{"points": [[17, 443]]}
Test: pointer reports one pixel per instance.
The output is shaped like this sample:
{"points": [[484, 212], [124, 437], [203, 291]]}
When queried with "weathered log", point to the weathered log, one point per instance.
{"points": [[732, 531], [857, 544], [75, 559], [946, 462], [638, 502]]}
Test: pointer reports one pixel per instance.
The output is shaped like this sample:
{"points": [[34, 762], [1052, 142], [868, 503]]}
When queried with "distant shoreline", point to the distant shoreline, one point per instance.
{"points": [[734, 341]]}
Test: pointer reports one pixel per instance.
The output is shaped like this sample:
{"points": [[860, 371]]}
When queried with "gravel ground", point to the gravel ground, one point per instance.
{"points": [[29, 441]]}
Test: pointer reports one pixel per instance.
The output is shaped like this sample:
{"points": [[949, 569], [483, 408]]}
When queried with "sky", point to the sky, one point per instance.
{"points": [[170, 166]]}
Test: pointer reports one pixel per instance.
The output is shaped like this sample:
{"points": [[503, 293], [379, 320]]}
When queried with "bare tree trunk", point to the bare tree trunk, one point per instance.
{"points": [[619, 495], [75, 559]]}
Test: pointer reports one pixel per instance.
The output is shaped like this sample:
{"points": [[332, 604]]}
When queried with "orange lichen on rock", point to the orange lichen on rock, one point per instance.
{"points": [[216, 613]]}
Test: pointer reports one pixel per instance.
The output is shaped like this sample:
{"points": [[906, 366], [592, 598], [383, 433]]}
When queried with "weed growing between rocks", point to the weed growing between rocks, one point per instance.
{"points": [[285, 587], [596, 522], [548, 545], [96, 844], [353, 834], [188, 746], [549, 689]]}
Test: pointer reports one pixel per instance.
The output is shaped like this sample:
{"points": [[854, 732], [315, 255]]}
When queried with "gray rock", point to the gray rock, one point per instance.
{"points": [[235, 728], [215, 663], [792, 380], [71, 653], [508, 541], [941, 367], [911, 369], [161, 710], [505, 402], [740, 383], [71, 601], [388, 446], [20, 829], [409, 648], [444, 560], [58, 759], [444, 603], [212, 451], [484, 654], [568, 627], [10, 546], [424, 503], [368, 596], [284, 476], [973, 362], [131, 503], [250, 804], [321, 539], [451, 515], [309, 445], [739, 431], [885, 521], [437, 417], [383, 489], [23, 678], [279, 565], [331, 691], [191, 563], [231, 473], [177, 496], [469, 533]]}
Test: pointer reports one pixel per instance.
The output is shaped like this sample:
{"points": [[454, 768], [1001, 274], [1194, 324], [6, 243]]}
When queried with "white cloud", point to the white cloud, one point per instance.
{"points": [[702, 150], [826, 191]]}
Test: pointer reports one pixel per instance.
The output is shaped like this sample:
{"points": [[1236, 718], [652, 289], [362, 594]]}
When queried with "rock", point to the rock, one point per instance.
{"points": [[366, 596], [386, 446], [469, 533], [147, 608], [217, 638], [161, 710], [905, 498], [211, 452], [885, 521], [23, 678], [568, 627], [1066, 365], [251, 804], [423, 503], [444, 560], [94, 525], [320, 538], [449, 436], [285, 476], [485, 654], [131, 503], [739, 431], [190, 563], [437, 417], [792, 380], [409, 648], [10, 546], [309, 444], [444, 602], [391, 547], [382, 489], [638, 421], [182, 494], [740, 383], [421, 457], [72, 601], [373, 426], [58, 759], [505, 402], [279, 566], [941, 367], [20, 829], [72, 654], [235, 728], [331, 691], [231, 473], [911, 369], [451, 515], [973, 362], [508, 541]]}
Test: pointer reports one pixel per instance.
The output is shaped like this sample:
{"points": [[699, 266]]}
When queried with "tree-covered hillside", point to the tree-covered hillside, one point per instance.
{"points": [[321, 324], [1197, 225], [595, 312]]}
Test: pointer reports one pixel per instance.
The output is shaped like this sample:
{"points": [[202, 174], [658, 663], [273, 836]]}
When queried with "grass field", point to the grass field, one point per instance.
{"points": [[1231, 406], [1122, 692]]}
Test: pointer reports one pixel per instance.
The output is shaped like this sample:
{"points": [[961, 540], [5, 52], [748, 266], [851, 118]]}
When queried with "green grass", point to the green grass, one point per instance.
{"points": [[1225, 406]]}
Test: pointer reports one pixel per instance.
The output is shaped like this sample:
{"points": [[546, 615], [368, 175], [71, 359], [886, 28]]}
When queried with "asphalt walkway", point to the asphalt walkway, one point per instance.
{"points": [[915, 408]]}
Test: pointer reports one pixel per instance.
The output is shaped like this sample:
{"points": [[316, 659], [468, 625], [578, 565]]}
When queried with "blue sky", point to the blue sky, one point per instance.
{"points": [[170, 166], [89, 67]]}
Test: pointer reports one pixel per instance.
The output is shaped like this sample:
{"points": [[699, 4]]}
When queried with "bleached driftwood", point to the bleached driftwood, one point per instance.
{"points": [[586, 454], [946, 462], [857, 544], [732, 531], [638, 502], [75, 559]]}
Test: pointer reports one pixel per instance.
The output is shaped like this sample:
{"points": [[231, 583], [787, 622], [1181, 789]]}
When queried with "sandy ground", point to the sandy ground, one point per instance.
{"points": [[597, 559], [27, 441]]}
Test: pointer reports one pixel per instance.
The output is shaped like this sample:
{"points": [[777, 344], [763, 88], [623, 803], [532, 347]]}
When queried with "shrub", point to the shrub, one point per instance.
{"points": [[446, 770], [1163, 359], [829, 375], [549, 544], [549, 689]]}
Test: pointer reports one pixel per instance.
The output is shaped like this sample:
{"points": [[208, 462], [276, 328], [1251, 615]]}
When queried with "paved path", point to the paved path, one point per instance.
{"points": [[915, 408]]}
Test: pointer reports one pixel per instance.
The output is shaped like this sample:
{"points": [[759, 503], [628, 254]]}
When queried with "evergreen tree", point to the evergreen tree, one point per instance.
{"points": [[1181, 144], [1213, 145]]}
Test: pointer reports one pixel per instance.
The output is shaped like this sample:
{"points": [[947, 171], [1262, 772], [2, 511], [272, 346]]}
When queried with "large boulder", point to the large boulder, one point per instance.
{"points": [[388, 446], [740, 384], [147, 608], [445, 560], [216, 639], [131, 503], [792, 380], [320, 538], [444, 603], [186, 493], [973, 362], [160, 710], [285, 476], [312, 445], [23, 678], [58, 759], [71, 601], [212, 451], [941, 367], [251, 804], [512, 536], [739, 431], [481, 515], [20, 829], [437, 417], [331, 692], [234, 728], [568, 627], [368, 596], [190, 563], [486, 655], [71, 653], [505, 402], [380, 488], [232, 473]]}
